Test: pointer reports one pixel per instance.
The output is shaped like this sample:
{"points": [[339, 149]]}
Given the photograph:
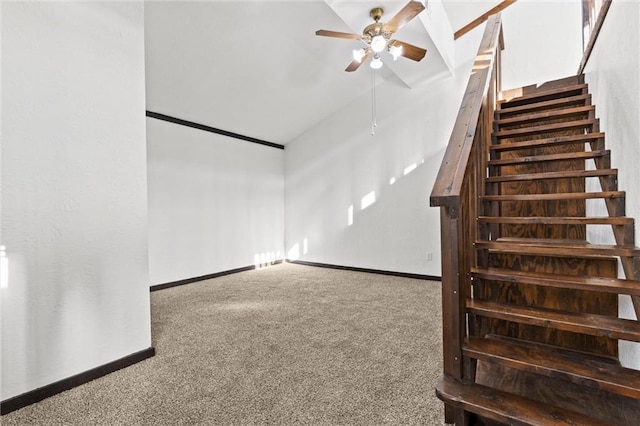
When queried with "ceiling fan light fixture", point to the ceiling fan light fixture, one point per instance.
{"points": [[358, 54], [395, 51], [376, 63], [378, 37], [378, 43]]}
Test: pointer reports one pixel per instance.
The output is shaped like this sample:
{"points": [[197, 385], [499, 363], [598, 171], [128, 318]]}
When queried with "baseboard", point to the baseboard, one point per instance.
{"points": [[37, 395], [371, 271], [157, 287]]}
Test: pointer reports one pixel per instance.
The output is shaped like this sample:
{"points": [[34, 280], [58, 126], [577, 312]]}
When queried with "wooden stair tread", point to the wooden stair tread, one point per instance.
{"points": [[591, 324], [544, 241], [574, 89], [544, 104], [556, 113], [552, 220], [506, 407], [577, 367], [559, 140], [549, 157], [600, 284], [555, 196], [545, 128], [552, 249], [553, 175]]}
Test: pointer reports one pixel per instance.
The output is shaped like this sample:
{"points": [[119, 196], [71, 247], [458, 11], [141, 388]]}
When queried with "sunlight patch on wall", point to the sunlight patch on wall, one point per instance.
{"points": [[367, 200], [350, 215], [262, 260], [294, 252], [4, 268], [409, 169], [305, 246]]}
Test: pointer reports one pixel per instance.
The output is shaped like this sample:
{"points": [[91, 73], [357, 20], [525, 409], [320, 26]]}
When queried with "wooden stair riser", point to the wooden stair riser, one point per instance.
{"points": [[555, 197], [599, 157], [506, 408], [574, 90], [559, 250], [610, 175], [573, 366], [623, 222], [600, 284], [591, 324], [544, 118], [568, 102], [587, 125], [595, 140]]}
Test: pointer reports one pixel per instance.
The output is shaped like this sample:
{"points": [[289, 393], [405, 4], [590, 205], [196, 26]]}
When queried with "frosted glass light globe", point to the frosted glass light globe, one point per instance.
{"points": [[376, 63], [378, 43]]}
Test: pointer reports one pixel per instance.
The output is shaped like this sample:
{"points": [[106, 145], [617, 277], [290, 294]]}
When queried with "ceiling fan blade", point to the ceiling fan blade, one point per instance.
{"points": [[337, 34], [354, 65], [409, 50], [407, 13]]}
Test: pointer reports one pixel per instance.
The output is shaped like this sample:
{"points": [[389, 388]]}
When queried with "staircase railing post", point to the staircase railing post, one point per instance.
{"points": [[452, 313], [457, 189]]}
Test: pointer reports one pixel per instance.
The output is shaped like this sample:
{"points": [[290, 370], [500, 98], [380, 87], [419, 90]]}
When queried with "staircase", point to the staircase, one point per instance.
{"points": [[530, 307]]}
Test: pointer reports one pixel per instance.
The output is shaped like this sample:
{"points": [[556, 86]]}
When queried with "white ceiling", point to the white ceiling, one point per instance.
{"points": [[258, 69]]}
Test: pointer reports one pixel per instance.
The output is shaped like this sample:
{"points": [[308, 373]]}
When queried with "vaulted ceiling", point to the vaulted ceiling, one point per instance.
{"points": [[258, 69]]}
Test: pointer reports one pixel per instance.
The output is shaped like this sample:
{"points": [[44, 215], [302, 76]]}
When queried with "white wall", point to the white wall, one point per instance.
{"points": [[334, 166], [613, 75], [543, 41], [215, 203], [74, 211]]}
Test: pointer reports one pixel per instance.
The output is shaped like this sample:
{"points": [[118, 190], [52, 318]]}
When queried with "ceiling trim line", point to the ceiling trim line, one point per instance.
{"points": [[210, 129]]}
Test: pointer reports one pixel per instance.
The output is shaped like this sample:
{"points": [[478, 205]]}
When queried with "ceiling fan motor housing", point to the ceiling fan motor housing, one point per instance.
{"points": [[377, 28]]}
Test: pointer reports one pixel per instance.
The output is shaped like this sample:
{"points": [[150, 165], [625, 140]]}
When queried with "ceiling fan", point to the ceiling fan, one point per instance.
{"points": [[377, 37]]}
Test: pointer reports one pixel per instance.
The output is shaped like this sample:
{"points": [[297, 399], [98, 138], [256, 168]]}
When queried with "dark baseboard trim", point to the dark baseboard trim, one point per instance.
{"points": [[205, 277], [210, 129], [371, 271], [37, 395]]}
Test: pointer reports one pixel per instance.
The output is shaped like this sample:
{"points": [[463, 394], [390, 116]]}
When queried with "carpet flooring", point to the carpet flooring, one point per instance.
{"points": [[287, 344]]}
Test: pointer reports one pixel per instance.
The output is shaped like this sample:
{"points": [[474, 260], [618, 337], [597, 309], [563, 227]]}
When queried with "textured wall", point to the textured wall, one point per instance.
{"points": [[214, 202], [613, 74], [360, 200], [74, 213], [543, 41]]}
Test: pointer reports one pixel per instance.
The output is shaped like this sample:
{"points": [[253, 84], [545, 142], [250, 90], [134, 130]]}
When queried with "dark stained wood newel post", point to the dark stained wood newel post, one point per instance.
{"points": [[451, 309]]}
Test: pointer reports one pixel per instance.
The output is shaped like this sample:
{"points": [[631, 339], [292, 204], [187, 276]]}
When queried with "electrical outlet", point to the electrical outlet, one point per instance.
{"points": [[429, 256]]}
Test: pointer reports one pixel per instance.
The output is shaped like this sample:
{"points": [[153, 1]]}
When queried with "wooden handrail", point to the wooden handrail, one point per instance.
{"points": [[448, 184], [480, 19]]}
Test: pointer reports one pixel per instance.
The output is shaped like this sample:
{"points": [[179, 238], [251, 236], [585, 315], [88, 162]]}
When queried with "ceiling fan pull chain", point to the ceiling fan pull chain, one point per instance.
{"points": [[373, 102]]}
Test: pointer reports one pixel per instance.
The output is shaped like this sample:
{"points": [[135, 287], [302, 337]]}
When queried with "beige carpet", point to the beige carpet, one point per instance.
{"points": [[288, 344]]}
